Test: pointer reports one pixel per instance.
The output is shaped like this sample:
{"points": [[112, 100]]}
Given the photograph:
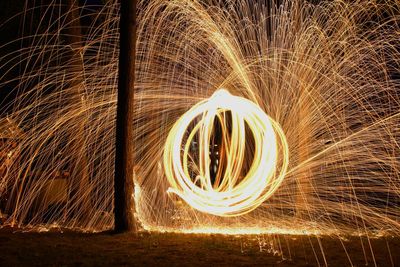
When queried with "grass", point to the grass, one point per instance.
{"points": [[18, 248]]}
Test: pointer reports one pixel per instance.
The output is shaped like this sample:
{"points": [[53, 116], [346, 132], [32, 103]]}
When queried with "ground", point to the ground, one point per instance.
{"points": [[18, 248]]}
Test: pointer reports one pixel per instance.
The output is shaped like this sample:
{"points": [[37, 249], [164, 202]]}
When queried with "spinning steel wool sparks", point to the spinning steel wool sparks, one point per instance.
{"points": [[231, 194], [324, 73]]}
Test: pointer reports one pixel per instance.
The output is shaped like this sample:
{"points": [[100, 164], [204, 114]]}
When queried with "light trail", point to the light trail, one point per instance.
{"points": [[323, 71], [233, 195]]}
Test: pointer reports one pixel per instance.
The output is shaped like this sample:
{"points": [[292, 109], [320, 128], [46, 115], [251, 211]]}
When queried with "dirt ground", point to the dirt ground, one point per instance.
{"points": [[166, 249]]}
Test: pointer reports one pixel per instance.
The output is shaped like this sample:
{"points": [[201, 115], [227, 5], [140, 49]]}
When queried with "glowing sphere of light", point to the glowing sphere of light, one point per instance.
{"points": [[235, 194]]}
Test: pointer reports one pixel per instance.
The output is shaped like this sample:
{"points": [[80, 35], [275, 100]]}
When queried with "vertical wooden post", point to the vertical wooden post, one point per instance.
{"points": [[79, 183], [123, 181]]}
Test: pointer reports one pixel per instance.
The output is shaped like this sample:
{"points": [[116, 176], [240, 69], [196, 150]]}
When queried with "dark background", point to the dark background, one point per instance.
{"points": [[16, 23]]}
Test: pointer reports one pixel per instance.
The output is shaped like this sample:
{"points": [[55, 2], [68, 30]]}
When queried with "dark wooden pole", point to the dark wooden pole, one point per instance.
{"points": [[79, 184], [123, 181]]}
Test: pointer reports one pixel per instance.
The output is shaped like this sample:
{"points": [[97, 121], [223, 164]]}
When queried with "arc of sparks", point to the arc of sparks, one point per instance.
{"points": [[231, 195]]}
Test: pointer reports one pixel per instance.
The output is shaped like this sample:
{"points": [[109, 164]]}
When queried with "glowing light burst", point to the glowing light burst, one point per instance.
{"points": [[231, 194], [324, 71]]}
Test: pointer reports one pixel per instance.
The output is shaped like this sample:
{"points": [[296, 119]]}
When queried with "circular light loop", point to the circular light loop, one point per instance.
{"points": [[235, 193]]}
